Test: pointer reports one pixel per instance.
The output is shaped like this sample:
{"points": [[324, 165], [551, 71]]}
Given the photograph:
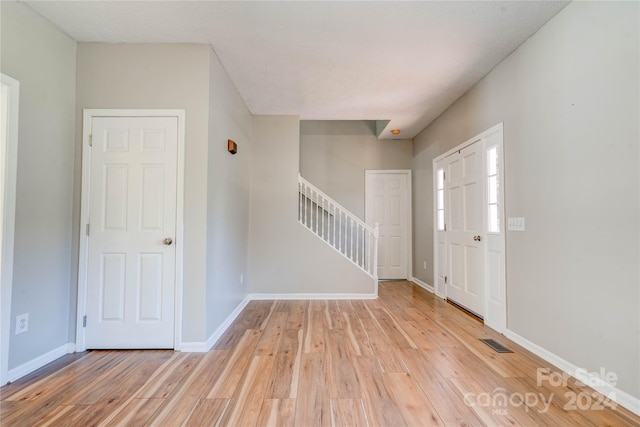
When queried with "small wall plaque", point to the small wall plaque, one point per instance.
{"points": [[232, 147]]}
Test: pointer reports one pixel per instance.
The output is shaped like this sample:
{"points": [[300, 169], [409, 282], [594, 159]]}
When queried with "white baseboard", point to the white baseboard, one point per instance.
{"points": [[622, 398], [203, 347], [422, 284], [37, 363], [194, 347], [310, 296]]}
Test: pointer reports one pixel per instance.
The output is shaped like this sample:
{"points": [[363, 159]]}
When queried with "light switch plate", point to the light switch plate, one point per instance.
{"points": [[515, 224]]}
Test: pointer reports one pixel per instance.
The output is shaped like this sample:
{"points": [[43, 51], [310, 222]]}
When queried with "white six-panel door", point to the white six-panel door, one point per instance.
{"points": [[464, 228], [131, 257], [387, 204]]}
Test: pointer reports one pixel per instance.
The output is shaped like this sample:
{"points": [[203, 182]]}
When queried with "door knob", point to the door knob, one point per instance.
{"points": [[477, 238], [167, 241]]}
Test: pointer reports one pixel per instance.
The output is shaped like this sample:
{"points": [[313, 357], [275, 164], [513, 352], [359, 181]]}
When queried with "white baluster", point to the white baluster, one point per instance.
{"points": [[334, 225], [357, 258], [351, 245], [300, 201], [314, 211], [376, 235], [305, 205], [369, 252], [322, 213]]}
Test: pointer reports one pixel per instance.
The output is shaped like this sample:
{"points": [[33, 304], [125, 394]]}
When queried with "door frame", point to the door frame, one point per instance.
{"points": [[367, 196], [87, 120], [8, 181], [495, 299]]}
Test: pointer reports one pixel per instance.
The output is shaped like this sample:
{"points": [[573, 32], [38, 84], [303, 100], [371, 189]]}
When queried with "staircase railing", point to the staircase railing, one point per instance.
{"points": [[339, 228]]}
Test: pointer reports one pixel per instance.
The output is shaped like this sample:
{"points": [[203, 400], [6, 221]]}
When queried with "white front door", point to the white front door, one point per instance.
{"points": [[132, 224], [387, 204], [464, 228]]}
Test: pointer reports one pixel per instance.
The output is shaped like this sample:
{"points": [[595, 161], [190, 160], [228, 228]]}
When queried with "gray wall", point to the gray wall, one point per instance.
{"points": [[227, 197], [569, 100], [335, 153], [284, 256], [43, 59], [159, 76]]}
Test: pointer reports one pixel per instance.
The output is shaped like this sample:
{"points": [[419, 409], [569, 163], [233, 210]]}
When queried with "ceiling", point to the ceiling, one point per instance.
{"points": [[403, 61]]}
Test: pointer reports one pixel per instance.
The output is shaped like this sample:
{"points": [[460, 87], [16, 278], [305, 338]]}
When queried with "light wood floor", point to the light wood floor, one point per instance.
{"points": [[405, 359]]}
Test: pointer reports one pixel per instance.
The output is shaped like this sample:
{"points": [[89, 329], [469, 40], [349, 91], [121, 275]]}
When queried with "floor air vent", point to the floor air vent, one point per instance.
{"points": [[495, 345]]}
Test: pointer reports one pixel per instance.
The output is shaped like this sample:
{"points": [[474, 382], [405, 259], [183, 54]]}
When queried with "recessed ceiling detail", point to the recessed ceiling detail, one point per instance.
{"points": [[406, 61]]}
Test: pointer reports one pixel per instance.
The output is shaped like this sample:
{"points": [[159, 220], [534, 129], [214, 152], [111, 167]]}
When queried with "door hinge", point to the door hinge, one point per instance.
{"points": [[445, 282], [84, 321], [90, 140], [88, 229], [444, 176], [445, 227]]}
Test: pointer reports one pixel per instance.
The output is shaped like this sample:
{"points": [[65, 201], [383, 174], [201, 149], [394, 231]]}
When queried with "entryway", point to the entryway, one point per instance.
{"points": [[388, 203], [469, 240]]}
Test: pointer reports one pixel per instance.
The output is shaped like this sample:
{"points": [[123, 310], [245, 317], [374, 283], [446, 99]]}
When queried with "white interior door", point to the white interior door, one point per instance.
{"points": [[464, 228], [132, 224], [387, 203]]}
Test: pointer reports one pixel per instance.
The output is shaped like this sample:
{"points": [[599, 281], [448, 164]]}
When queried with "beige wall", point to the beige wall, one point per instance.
{"points": [[229, 179], [335, 153], [284, 256], [43, 59], [569, 100], [159, 76]]}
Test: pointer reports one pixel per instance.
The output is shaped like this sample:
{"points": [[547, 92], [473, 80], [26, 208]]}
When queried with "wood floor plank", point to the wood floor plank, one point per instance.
{"points": [[440, 336], [340, 376], [286, 371], [383, 348], [357, 339], [169, 376], [121, 391], [314, 332], [360, 309], [104, 382], [245, 405], [380, 407], [296, 320], [468, 387], [312, 406], [392, 329], [136, 412], [70, 365], [64, 415], [235, 366], [270, 338], [277, 413], [409, 398], [183, 400], [297, 314], [452, 411], [332, 316], [42, 398], [43, 387], [419, 337], [348, 413], [207, 412]]}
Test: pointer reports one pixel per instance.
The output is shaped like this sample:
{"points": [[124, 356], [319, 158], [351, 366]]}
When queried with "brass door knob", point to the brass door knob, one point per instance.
{"points": [[167, 241]]}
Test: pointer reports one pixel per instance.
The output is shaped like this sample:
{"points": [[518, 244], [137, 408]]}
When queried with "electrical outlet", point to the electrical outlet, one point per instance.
{"points": [[424, 265], [515, 224], [241, 278], [22, 323]]}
